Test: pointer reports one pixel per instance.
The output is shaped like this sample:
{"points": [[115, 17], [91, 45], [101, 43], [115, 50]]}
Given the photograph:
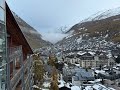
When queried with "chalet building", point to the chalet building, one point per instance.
{"points": [[15, 53], [89, 60]]}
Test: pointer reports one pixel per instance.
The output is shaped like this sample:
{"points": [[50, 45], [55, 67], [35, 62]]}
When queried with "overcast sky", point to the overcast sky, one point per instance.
{"points": [[47, 16]]}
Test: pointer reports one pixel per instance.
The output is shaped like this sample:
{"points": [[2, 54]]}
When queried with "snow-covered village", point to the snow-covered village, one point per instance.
{"points": [[59, 45]]}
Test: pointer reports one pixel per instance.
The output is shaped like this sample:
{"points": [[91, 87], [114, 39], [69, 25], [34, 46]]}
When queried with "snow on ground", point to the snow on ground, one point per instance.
{"points": [[75, 88], [68, 85], [88, 88], [35, 86], [46, 84], [79, 39], [62, 83]]}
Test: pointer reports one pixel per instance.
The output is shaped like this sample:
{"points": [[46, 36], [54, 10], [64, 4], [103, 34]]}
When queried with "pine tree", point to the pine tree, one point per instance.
{"points": [[51, 60], [54, 79], [54, 76], [38, 70]]}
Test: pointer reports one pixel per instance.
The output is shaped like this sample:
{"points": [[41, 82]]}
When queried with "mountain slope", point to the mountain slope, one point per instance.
{"points": [[103, 15], [33, 37], [98, 32]]}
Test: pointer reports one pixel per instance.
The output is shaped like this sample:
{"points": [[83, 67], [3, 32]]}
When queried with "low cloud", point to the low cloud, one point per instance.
{"points": [[53, 37]]}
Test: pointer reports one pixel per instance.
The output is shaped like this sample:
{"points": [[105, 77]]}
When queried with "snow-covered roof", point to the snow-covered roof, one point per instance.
{"points": [[111, 88], [82, 74], [77, 65], [99, 87], [118, 65], [99, 71], [92, 53], [81, 53], [95, 81], [116, 68], [65, 64]]}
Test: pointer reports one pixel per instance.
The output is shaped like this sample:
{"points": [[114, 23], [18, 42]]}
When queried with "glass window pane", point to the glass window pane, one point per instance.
{"points": [[2, 3], [2, 29], [2, 77], [1, 14]]}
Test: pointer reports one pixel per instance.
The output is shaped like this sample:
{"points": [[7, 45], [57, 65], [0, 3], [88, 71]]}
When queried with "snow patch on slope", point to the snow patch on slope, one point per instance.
{"points": [[103, 15]]}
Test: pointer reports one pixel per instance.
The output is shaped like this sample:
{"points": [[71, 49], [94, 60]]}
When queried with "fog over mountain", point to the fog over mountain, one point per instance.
{"points": [[49, 15]]}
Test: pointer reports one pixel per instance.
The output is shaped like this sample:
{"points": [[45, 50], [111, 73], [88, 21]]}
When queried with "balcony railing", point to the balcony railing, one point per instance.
{"points": [[15, 80], [18, 76], [18, 73]]}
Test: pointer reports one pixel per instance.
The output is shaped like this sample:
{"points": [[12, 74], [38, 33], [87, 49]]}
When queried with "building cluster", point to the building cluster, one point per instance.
{"points": [[105, 78], [89, 59], [77, 76]]}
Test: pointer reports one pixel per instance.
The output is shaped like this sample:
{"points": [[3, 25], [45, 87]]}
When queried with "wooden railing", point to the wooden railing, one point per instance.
{"points": [[16, 78], [19, 73]]}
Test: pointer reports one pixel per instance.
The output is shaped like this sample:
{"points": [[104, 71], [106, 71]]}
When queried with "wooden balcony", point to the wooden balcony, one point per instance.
{"points": [[16, 78], [18, 75], [18, 69]]}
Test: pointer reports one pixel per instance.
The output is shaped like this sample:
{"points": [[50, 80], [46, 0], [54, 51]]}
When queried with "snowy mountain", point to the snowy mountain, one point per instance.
{"points": [[103, 15], [100, 32]]}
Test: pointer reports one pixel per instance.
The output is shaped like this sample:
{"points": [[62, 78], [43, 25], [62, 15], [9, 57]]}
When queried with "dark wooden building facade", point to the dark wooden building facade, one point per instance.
{"points": [[15, 53]]}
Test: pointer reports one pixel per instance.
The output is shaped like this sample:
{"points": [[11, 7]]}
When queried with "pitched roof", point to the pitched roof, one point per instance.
{"points": [[14, 30], [82, 74]]}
